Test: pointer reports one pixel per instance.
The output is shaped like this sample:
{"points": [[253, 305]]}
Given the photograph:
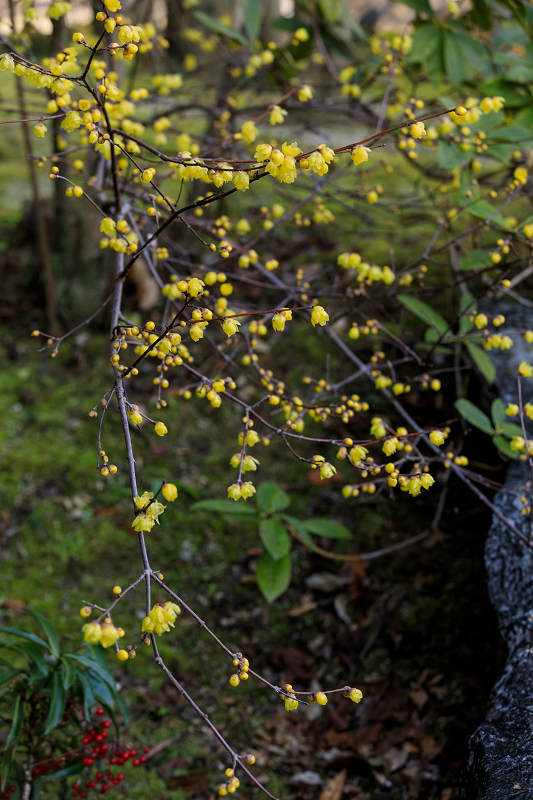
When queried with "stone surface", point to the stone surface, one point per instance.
{"points": [[499, 763]]}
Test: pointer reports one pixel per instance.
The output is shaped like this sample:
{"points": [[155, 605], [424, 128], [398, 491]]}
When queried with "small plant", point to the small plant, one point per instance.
{"points": [[275, 530]]}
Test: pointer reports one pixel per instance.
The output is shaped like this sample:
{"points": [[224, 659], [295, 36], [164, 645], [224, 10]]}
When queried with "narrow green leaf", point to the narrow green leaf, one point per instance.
{"points": [[223, 507], [57, 702], [482, 209], [68, 672], [474, 415], [6, 765], [7, 675], [34, 656], [218, 27], [423, 312], [466, 304], [88, 695], [300, 529], [482, 361], [18, 715], [505, 447], [49, 630], [31, 637], [273, 577], [101, 691], [271, 498], [95, 667], [123, 709], [497, 410], [328, 528], [252, 13], [74, 768], [274, 537]]}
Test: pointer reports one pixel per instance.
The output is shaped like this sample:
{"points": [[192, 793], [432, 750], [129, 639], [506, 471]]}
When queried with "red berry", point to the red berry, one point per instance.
{"points": [[100, 711], [136, 762], [6, 795], [110, 776], [104, 734], [83, 794], [146, 749], [120, 761], [105, 788], [120, 776], [99, 738], [75, 785], [99, 775], [142, 759], [116, 782], [112, 760], [86, 739], [91, 784], [133, 752], [105, 724], [103, 749], [12, 788]]}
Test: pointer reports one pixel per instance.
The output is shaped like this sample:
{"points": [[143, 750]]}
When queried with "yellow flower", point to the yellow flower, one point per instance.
{"points": [[520, 174], [353, 694], [417, 130], [289, 150], [276, 115], [436, 437], [305, 93], [112, 5], [169, 492], [247, 490], [40, 129], [278, 322], [234, 492], [327, 470], [512, 410], [249, 131], [525, 369], [358, 453], [195, 287], [109, 635], [230, 326], [108, 226], [241, 181], [390, 446], [498, 103], [92, 632], [359, 154], [160, 428], [263, 152], [377, 428], [319, 316], [143, 522], [481, 321], [161, 618], [427, 480]]}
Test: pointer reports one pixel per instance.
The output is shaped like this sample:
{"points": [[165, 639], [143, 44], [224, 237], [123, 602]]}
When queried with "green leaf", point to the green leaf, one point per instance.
{"points": [[511, 133], [222, 507], [467, 303], [426, 39], [330, 10], [50, 632], [474, 415], [424, 312], [481, 14], [271, 498], [449, 155], [300, 529], [123, 709], [504, 446], [273, 577], [420, 6], [474, 259], [7, 675], [31, 637], [509, 429], [6, 765], [498, 414], [57, 702], [482, 361], [252, 13], [218, 27], [64, 772], [482, 209], [326, 527], [455, 58], [18, 714], [101, 691], [34, 656], [95, 667], [88, 695], [68, 672], [274, 537]]}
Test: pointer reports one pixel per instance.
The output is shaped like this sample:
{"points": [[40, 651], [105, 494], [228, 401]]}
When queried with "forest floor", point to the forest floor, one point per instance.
{"points": [[413, 630]]}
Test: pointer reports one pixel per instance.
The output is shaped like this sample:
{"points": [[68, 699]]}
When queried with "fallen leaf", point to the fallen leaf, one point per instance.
{"points": [[303, 609], [419, 697], [333, 788]]}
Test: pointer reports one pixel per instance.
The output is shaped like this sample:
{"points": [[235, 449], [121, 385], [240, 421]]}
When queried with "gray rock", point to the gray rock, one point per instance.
{"points": [[499, 764]]}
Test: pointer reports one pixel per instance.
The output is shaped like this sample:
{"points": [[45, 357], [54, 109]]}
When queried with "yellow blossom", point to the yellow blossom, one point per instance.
{"points": [[92, 632], [359, 154], [319, 316], [277, 115], [249, 131]]}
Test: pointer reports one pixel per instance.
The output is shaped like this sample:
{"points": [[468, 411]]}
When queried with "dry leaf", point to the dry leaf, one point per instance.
{"points": [[334, 787]]}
